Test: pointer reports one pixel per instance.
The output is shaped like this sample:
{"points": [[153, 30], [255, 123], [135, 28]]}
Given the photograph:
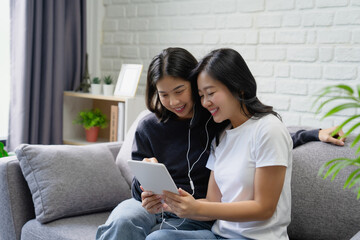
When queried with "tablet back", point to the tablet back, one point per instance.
{"points": [[153, 176]]}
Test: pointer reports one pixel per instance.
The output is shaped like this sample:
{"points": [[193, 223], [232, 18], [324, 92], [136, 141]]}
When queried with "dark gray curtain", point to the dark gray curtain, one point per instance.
{"points": [[48, 49]]}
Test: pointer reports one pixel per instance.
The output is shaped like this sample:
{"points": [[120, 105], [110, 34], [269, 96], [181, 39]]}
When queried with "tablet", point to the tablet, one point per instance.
{"points": [[153, 177]]}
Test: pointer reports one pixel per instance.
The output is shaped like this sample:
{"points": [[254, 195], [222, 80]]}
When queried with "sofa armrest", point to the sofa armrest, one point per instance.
{"points": [[16, 205], [322, 209]]}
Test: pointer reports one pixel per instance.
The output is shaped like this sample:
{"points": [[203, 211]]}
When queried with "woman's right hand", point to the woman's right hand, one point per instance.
{"points": [[151, 202]]}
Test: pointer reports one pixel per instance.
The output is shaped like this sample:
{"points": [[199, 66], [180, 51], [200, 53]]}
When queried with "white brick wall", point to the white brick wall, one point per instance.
{"points": [[293, 47]]}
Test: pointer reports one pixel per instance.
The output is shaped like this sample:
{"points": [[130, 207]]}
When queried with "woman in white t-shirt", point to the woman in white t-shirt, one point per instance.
{"points": [[249, 186]]}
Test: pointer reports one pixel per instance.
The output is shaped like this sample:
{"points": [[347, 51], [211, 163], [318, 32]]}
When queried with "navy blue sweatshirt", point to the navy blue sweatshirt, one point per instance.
{"points": [[168, 142]]}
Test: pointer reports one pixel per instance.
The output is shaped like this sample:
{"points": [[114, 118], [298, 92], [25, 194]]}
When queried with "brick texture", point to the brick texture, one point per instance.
{"points": [[293, 47]]}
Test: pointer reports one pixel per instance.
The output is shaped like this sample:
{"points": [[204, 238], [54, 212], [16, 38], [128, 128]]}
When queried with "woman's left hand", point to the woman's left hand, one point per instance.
{"points": [[183, 204], [325, 135]]}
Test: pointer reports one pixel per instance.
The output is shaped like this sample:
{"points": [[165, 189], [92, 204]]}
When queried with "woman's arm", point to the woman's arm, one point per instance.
{"points": [[304, 136], [141, 149], [268, 185]]}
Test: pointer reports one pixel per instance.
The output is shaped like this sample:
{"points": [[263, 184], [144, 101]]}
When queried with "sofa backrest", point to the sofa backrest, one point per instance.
{"points": [[125, 150], [321, 209]]}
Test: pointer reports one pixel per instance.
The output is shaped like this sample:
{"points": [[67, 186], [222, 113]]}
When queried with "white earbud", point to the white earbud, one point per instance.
{"points": [[192, 185]]}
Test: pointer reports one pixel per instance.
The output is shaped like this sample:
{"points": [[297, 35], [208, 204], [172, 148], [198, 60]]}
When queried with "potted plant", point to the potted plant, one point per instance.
{"points": [[108, 85], [92, 120], [349, 99], [3, 153], [96, 86]]}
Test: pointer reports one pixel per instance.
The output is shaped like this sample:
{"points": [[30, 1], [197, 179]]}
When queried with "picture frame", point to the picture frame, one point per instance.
{"points": [[128, 80]]}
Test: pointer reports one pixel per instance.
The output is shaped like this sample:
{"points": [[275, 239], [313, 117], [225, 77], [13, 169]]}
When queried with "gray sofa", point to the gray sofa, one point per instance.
{"points": [[320, 208]]}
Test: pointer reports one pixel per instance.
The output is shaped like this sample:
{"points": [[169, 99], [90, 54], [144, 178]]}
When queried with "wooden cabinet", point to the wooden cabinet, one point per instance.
{"points": [[74, 102]]}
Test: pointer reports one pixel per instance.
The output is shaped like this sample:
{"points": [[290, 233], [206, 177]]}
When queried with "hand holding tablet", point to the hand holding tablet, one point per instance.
{"points": [[153, 177]]}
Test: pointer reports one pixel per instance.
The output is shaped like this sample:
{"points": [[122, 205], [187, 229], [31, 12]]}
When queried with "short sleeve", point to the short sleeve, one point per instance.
{"points": [[273, 144], [211, 160]]}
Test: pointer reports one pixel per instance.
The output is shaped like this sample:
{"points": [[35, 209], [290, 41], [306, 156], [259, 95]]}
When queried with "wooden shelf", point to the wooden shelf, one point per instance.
{"points": [[92, 96], [74, 102]]}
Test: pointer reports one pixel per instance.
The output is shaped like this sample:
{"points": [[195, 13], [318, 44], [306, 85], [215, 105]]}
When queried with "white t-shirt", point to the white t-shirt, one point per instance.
{"points": [[255, 143]]}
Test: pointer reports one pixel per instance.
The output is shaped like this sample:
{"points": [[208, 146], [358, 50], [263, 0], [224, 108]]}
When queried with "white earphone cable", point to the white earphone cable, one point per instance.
{"points": [[187, 154], [189, 170], [163, 221]]}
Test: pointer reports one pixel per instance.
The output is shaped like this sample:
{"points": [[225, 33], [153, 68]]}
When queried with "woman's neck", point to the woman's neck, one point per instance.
{"points": [[241, 117]]}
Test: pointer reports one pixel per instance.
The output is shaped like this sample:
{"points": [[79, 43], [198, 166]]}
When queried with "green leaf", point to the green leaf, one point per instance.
{"points": [[349, 179], [335, 88], [351, 129], [347, 88], [358, 90], [356, 140], [333, 99], [341, 126], [358, 150], [319, 97], [354, 181], [357, 180], [91, 118], [334, 168], [348, 120], [340, 108], [3, 153], [322, 168], [323, 92], [339, 168]]}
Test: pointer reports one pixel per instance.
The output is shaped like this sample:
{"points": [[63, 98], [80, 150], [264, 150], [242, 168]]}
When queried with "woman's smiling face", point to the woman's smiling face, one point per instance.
{"points": [[176, 96], [218, 100]]}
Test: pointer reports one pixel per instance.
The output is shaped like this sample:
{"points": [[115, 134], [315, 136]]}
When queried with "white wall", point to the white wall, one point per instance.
{"points": [[94, 19], [293, 47]]}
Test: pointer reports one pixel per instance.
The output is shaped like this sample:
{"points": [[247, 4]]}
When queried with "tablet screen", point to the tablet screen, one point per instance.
{"points": [[153, 177]]}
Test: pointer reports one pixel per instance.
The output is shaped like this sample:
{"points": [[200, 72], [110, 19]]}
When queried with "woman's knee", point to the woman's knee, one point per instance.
{"points": [[159, 235]]}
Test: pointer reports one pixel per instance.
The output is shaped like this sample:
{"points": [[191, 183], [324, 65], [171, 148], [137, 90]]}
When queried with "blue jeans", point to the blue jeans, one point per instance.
{"points": [[129, 220], [182, 234]]}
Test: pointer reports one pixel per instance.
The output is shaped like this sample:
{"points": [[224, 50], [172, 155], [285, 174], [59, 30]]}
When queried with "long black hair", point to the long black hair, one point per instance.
{"points": [[227, 66], [174, 62]]}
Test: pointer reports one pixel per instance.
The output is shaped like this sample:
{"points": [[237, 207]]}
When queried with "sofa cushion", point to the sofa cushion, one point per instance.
{"points": [[71, 180], [126, 148], [74, 228]]}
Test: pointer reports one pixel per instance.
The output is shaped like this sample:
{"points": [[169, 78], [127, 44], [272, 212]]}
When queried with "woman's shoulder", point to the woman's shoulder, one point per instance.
{"points": [[149, 120], [269, 120], [271, 124]]}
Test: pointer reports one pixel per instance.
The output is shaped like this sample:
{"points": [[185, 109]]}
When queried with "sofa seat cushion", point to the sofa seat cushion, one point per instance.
{"points": [[71, 180], [74, 228]]}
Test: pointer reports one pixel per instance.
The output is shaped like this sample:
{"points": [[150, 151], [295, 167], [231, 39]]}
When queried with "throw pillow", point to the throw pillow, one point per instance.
{"points": [[71, 180]]}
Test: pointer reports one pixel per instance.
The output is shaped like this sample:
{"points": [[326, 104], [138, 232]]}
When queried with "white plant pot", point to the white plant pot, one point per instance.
{"points": [[96, 89], [108, 89]]}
